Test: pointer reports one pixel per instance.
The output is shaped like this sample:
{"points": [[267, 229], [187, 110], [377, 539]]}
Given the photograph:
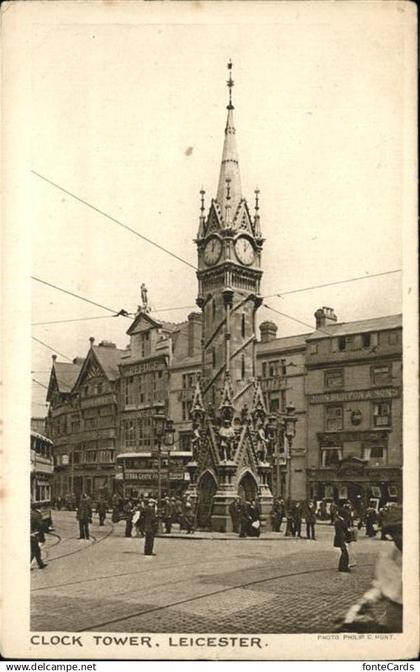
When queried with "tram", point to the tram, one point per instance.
{"points": [[42, 469]]}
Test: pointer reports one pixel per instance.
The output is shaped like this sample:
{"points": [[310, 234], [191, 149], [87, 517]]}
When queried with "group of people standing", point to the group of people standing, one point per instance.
{"points": [[294, 513]]}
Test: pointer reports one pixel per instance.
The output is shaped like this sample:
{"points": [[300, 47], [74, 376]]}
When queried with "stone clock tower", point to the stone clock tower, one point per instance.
{"points": [[229, 244], [230, 442]]}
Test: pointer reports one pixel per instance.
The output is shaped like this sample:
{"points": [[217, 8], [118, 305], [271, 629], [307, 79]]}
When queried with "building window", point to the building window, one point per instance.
{"points": [[186, 405], [264, 369], [75, 423], [313, 348], [382, 374], [345, 343], [366, 340], [213, 357], [382, 414], [273, 368], [185, 442], [243, 325], [393, 337], [213, 309], [330, 457], [334, 379], [242, 367], [374, 452], [283, 367], [274, 405], [334, 418], [131, 434]]}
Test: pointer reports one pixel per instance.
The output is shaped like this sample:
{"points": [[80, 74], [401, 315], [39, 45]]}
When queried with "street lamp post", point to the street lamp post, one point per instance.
{"points": [[163, 430], [290, 420]]}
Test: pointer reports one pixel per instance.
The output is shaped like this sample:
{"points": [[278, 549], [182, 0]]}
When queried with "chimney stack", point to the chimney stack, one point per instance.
{"points": [[268, 331], [194, 334], [324, 317]]}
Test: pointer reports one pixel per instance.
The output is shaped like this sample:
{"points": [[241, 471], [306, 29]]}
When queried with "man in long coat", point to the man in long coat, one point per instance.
{"points": [[244, 519], [149, 521], [84, 516], [341, 539]]}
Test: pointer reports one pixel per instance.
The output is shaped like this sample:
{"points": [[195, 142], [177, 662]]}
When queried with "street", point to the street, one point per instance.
{"points": [[272, 584]]}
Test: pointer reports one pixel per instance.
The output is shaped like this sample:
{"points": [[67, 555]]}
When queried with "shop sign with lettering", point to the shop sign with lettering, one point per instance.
{"points": [[355, 395]]}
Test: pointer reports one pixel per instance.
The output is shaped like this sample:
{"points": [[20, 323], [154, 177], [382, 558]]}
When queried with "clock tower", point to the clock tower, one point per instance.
{"points": [[230, 442], [229, 245]]}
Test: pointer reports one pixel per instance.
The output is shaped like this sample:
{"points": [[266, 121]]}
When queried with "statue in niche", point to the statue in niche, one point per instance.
{"points": [[262, 443], [226, 441]]}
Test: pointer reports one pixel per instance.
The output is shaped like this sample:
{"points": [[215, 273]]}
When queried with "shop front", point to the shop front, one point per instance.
{"points": [[354, 480], [139, 474]]}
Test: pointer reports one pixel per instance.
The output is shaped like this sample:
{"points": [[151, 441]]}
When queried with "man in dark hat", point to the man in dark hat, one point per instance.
{"points": [[341, 539], [149, 521], [84, 516]]}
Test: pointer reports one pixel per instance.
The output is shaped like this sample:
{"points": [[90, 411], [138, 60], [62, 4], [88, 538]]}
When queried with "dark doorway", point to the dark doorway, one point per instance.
{"points": [[206, 490], [247, 488], [356, 495]]}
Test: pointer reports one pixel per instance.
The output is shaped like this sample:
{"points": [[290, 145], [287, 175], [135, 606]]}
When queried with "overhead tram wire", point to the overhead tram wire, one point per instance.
{"points": [[77, 296], [166, 310], [50, 348], [113, 219], [77, 319], [295, 319], [331, 284], [34, 380]]}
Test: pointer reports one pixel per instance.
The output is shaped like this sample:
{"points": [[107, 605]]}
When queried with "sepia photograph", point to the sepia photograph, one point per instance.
{"points": [[217, 221]]}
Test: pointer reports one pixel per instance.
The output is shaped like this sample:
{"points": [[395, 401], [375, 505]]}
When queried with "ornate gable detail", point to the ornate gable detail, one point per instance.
{"points": [[246, 453], [93, 370], [242, 219], [142, 322], [214, 219], [258, 408]]}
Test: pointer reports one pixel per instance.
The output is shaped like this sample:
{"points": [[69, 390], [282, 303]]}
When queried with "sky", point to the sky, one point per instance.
{"points": [[130, 117]]}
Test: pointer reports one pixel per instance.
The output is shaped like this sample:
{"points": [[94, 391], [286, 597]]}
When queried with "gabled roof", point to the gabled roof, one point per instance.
{"points": [[63, 377], [358, 327], [142, 317], [109, 360]]}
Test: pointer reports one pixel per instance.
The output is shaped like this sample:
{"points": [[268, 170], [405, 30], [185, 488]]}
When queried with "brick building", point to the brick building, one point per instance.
{"points": [[354, 408], [147, 377], [281, 369]]}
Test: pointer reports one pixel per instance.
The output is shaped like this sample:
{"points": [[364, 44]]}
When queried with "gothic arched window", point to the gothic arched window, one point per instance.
{"points": [[243, 367]]}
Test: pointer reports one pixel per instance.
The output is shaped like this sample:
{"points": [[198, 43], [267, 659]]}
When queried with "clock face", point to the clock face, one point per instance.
{"points": [[244, 251], [212, 251]]}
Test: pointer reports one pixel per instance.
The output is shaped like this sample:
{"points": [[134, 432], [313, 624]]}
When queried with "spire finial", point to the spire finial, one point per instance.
{"points": [[230, 84], [202, 193], [257, 203]]}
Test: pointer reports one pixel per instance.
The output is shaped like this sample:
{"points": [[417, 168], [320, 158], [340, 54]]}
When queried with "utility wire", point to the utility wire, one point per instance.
{"points": [[295, 319], [34, 380], [77, 296], [166, 310], [77, 319], [331, 284], [50, 348], [113, 219]]}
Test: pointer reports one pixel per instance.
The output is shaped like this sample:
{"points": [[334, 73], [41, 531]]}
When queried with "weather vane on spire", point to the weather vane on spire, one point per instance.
{"points": [[230, 84]]}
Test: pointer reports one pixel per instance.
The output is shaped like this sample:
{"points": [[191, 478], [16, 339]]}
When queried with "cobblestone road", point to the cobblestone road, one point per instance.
{"points": [[266, 585]]}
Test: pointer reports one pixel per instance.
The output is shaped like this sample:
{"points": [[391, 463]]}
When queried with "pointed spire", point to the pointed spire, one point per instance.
{"points": [[202, 215], [257, 227], [226, 407], [229, 168], [258, 409]]}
